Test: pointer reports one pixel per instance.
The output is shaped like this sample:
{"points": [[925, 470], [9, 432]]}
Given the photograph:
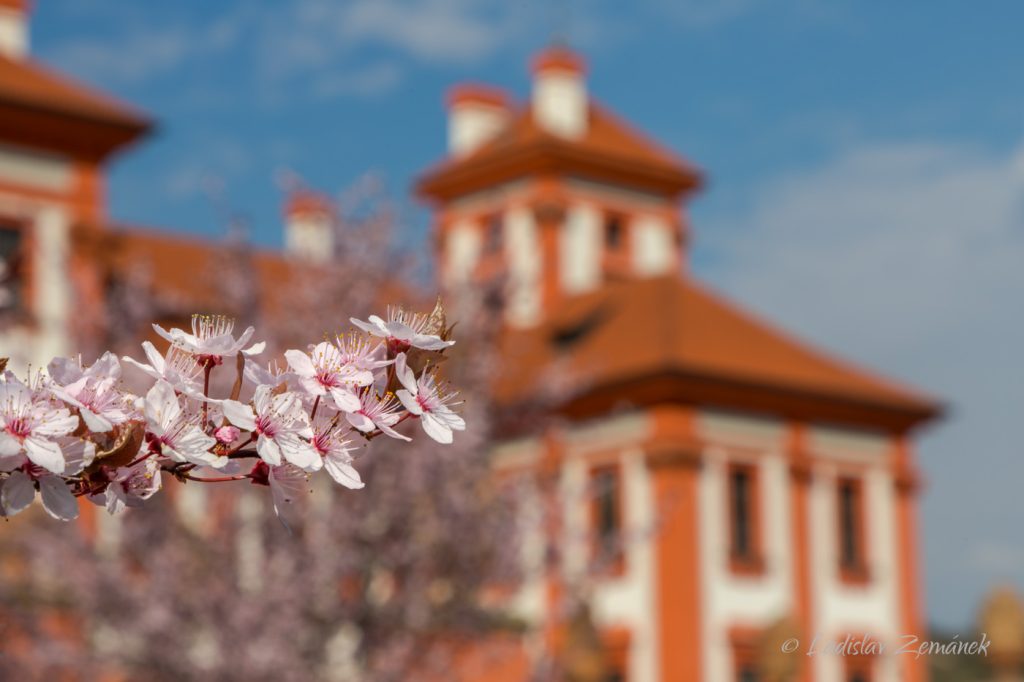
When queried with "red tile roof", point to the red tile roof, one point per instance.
{"points": [[610, 149], [31, 84], [669, 337], [32, 95]]}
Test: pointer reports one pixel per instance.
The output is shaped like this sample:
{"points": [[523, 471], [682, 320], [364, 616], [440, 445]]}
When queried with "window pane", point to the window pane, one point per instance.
{"points": [[493, 234], [11, 244], [848, 511], [741, 522], [613, 232], [747, 673], [607, 505]]}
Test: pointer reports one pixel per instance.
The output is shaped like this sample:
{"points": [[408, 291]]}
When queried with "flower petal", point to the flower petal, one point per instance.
{"points": [[240, 415], [287, 483], [343, 472], [45, 453], [345, 400], [388, 431], [18, 493], [430, 342], [405, 374], [168, 335], [58, 422], [436, 429], [360, 421], [255, 349], [375, 325], [162, 407], [96, 422], [57, 499], [268, 450], [116, 498], [299, 452], [409, 401], [9, 445], [78, 454], [300, 363]]}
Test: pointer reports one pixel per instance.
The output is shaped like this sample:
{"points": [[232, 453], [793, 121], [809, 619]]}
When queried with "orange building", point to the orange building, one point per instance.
{"points": [[699, 478], [710, 482]]}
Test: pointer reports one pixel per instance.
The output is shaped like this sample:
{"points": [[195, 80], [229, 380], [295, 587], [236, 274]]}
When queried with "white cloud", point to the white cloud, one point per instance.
{"points": [[910, 257], [321, 44], [142, 52], [432, 30], [321, 34]]}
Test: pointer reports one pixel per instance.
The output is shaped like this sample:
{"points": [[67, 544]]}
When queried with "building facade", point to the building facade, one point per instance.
{"points": [[706, 484], [709, 486]]}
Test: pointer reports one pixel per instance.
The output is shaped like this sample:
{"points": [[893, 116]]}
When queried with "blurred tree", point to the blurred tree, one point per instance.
{"points": [[376, 584]]}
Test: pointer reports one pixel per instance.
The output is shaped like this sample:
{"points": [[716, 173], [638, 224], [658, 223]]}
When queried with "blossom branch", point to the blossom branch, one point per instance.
{"points": [[74, 431]]}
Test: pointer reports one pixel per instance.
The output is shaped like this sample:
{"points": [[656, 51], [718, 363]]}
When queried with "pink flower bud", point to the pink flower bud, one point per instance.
{"points": [[226, 434]]}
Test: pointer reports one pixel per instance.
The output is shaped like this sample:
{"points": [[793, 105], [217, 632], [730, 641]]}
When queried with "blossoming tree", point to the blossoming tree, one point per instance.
{"points": [[381, 583]]}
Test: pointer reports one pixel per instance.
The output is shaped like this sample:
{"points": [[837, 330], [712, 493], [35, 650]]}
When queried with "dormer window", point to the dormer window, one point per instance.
{"points": [[12, 265]]}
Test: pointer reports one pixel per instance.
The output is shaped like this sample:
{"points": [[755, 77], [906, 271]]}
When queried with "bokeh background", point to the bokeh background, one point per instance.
{"points": [[864, 163]]}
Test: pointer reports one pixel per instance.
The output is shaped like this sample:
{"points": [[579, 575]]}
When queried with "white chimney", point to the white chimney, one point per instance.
{"points": [[476, 114], [560, 93], [309, 230], [14, 28]]}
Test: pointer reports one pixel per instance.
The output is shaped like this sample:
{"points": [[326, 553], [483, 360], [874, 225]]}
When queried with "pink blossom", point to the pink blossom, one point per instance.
{"points": [[403, 330], [179, 368], [423, 398], [94, 391], [177, 433], [281, 426], [324, 372], [330, 443], [130, 486], [376, 413], [212, 337], [30, 427]]}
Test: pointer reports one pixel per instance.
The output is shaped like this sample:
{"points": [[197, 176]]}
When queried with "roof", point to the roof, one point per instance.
{"points": [[32, 94], [611, 149], [668, 338], [185, 273]]}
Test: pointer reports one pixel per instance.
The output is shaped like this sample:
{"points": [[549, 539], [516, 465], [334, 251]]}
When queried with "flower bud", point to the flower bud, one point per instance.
{"points": [[226, 434]]}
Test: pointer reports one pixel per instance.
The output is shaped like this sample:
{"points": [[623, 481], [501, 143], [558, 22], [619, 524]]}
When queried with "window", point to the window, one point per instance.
{"points": [[744, 655], [744, 546], [859, 668], [12, 277], [850, 512], [614, 231], [740, 482], [747, 673], [606, 516], [493, 237]]}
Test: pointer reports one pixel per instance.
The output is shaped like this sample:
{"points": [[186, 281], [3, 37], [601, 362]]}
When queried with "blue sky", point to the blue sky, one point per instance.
{"points": [[864, 163]]}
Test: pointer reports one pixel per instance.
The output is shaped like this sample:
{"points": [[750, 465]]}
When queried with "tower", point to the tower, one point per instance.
{"points": [[55, 139], [556, 197]]}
